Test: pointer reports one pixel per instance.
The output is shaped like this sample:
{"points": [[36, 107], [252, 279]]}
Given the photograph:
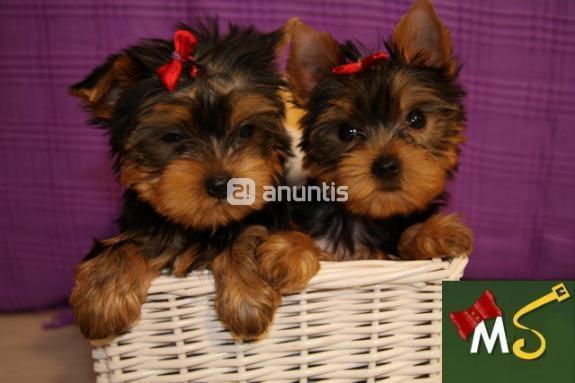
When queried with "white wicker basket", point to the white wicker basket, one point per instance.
{"points": [[357, 321]]}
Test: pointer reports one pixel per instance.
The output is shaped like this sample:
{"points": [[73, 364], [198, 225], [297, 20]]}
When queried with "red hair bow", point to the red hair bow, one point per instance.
{"points": [[184, 45], [362, 64], [484, 308]]}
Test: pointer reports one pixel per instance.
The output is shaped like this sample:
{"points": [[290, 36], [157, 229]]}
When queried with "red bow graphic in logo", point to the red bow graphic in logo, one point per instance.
{"points": [[484, 308], [184, 45], [361, 65]]}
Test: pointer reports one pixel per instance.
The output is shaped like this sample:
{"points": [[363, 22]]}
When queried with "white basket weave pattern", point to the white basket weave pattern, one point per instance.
{"points": [[356, 321]]}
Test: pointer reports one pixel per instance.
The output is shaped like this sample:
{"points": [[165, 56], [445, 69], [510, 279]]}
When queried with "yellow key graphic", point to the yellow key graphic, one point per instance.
{"points": [[558, 293]]}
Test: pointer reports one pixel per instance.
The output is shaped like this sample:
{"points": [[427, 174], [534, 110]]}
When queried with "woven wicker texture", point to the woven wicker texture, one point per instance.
{"points": [[356, 321]]}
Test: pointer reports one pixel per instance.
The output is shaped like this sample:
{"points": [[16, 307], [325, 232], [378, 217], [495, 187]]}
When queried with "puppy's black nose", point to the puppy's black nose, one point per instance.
{"points": [[217, 186], [386, 167]]}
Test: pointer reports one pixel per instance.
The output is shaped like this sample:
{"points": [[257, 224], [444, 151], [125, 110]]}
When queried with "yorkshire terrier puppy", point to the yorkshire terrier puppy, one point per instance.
{"points": [[387, 126], [184, 117]]}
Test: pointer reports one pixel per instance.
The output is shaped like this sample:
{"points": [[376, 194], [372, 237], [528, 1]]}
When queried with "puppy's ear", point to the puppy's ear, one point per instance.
{"points": [[102, 88], [423, 40], [312, 55]]}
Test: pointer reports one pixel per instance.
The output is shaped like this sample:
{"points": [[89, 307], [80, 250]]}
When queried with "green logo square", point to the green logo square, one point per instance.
{"points": [[523, 331]]}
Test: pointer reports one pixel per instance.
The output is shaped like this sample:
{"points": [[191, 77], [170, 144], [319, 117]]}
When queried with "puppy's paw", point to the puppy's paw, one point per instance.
{"points": [[246, 307], [245, 246], [440, 236], [109, 291], [244, 302], [288, 260]]}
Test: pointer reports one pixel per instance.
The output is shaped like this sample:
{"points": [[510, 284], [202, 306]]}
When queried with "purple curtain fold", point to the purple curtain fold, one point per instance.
{"points": [[516, 185]]}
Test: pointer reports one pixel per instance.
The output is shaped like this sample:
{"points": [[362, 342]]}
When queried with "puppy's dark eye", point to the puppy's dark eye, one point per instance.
{"points": [[348, 132], [246, 131], [172, 137], [416, 119]]}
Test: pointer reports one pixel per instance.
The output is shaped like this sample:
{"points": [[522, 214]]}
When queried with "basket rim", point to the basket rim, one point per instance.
{"points": [[344, 274]]}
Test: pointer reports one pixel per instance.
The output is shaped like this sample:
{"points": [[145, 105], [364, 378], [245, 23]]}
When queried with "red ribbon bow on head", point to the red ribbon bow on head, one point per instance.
{"points": [[184, 45], [362, 64], [484, 308]]}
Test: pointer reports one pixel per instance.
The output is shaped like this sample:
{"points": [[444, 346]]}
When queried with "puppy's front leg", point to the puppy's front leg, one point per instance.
{"points": [[110, 288], [442, 235], [288, 260], [244, 301]]}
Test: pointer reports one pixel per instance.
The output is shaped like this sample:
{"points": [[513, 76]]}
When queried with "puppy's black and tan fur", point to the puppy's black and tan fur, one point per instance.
{"points": [[174, 152], [390, 133]]}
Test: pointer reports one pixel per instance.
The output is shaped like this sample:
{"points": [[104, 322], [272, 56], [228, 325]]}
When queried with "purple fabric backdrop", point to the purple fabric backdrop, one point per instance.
{"points": [[516, 186]]}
